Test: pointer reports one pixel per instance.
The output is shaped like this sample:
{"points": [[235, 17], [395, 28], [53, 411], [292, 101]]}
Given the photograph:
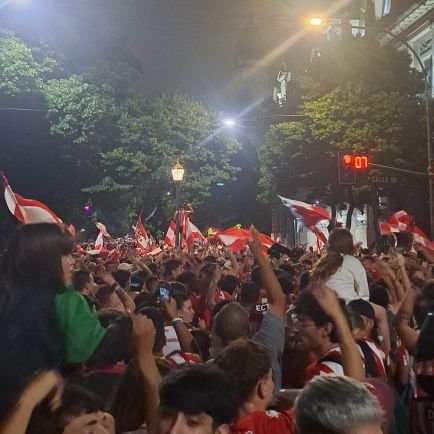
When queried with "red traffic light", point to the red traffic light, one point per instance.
{"points": [[347, 159], [358, 162]]}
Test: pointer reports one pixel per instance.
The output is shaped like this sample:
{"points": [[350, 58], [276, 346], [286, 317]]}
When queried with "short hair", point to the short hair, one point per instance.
{"points": [[156, 316], [306, 304], [197, 389], [334, 405], [180, 299], [170, 266], [229, 283], [379, 294], [245, 362], [249, 292], [80, 279], [76, 401], [231, 323], [122, 277]]}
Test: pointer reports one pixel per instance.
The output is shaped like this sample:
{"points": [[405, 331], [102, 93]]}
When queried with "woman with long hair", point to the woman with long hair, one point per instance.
{"points": [[44, 323], [345, 274]]}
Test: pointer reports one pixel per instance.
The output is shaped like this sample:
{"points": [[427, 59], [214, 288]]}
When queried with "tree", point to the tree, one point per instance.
{"points": [[155, 133], [369, 105]]}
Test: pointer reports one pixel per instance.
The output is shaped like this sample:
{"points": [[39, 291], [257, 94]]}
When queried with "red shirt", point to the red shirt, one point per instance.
{"points": [[329, 364], [259, 422]]}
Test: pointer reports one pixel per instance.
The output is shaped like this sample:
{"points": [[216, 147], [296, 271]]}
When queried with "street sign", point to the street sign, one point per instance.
{"points": [[383, 179]]}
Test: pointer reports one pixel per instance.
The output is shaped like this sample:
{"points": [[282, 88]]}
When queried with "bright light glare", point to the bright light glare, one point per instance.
{"points": [[316, 21], [229, 122], [21, 3]]}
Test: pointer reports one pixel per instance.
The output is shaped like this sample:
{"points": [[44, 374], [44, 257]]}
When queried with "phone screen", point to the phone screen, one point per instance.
{"points": [[164, 291]]}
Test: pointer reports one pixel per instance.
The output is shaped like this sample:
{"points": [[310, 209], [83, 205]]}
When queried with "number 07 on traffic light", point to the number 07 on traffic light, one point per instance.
{"points": [[348, 165]]}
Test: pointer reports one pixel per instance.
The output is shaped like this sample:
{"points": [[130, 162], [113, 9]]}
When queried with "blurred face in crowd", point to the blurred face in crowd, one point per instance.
{"points": [[67, 263], [187, 312], [174, 422], [308, 335]]}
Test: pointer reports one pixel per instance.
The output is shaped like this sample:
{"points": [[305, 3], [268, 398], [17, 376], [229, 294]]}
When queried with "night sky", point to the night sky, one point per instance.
{"points": [[203, 47]]}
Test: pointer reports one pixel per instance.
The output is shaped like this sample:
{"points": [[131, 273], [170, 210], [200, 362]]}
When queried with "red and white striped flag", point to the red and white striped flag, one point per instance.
{"points": [[99, 243], [170, 236], [27, 210], [140, 234], [310, 215], [193, 233]]}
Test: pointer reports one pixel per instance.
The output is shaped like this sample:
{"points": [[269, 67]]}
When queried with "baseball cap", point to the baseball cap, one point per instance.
{"points": [[124, 266]]}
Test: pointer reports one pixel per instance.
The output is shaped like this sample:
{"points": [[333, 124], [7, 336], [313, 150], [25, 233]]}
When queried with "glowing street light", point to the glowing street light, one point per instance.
{"points": [[229, 122], [178, 176], [316, 21]]}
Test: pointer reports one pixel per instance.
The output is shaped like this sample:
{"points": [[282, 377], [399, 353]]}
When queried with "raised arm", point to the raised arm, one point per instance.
{"points": [[45, 383], [351, 359], [143, 340], [184, 336], [276, 297]]}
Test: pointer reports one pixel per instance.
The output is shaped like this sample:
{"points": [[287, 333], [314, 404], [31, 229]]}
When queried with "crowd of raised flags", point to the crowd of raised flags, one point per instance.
{"points": [[235, 238]]}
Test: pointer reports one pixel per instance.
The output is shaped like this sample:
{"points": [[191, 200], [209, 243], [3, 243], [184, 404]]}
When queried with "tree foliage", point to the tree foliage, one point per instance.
{"points": [[369, 105]]}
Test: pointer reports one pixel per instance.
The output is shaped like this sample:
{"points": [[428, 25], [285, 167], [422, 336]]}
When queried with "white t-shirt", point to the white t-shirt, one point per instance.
{"points": [[172, 341], [350, 281]]}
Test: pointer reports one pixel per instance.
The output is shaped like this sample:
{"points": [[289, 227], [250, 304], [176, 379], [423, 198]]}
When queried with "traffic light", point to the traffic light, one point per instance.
{"points": [[349, 164], [346, 167]]}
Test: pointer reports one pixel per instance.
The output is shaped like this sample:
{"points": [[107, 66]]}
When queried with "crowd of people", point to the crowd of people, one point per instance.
{"points": [[213, 341]]}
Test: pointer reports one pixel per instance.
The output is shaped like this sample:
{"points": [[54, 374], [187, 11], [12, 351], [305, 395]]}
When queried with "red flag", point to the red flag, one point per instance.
{"points": [[170, 236], [27, 210], [387, 228], [310, 215], [236, 239]]}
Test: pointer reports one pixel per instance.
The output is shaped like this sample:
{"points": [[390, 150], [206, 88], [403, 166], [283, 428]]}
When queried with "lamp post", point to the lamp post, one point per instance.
{"points": [[317, 22], [178, 176]]}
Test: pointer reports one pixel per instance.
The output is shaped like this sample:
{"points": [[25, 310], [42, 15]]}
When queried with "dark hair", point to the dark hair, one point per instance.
{"points": [[180, 299], [379, 294], [156, 316], [183, 390], [285, 280], [80, 279], [122, 277], [304, 280], [256, 277], [170, 266], [104, 294], [189, 279], [306, 304], [219, 306], [33, 259], [249, 293], [149, 281], [76, 401], [209, 259], [128, 405], [245, 362], [202, 342], [229, 283]]}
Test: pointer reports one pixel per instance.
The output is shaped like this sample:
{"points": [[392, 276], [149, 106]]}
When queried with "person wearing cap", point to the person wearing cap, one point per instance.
{"points": [[376, 361]]}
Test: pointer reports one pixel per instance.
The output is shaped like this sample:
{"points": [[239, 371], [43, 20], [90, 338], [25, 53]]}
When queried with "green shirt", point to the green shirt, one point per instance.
{"points": [[79, 326]]}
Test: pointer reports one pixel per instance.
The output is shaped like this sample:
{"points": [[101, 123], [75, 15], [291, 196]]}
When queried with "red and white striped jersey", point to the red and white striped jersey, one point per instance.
{"points": [[382, 360]]}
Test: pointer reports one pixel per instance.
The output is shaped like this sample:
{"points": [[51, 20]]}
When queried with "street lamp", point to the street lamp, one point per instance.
{"points": [[178, 176], [317, 22], [243, 121]]}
